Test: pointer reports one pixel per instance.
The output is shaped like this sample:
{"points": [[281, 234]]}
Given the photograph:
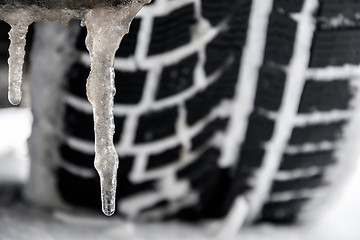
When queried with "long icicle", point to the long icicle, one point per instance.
{"points": [[106, 28]]}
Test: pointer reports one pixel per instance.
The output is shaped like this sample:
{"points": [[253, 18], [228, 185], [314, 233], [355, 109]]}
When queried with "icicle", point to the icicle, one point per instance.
{"points": [[17, 36], [106, 27]]}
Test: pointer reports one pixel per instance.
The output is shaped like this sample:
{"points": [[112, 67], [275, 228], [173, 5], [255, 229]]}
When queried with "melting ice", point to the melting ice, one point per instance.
{"points": [[106, 25]]}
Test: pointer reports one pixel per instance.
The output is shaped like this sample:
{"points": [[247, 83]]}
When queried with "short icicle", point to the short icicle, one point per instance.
{"points": [[17, 37], [106, 27]]}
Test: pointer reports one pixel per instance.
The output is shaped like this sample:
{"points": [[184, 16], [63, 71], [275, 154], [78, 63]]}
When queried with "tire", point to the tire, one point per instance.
{"points": [[216, 102]]}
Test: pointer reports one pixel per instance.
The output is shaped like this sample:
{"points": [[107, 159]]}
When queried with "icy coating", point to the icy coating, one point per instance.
{"points": [[106, 26]]}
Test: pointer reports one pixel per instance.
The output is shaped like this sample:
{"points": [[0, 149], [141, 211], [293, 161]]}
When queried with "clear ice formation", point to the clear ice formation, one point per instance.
{"points": [[106, 23], [16, 60]]}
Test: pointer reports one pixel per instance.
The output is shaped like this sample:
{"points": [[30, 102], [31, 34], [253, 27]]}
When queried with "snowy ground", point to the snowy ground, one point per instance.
{"points": [[340, 222]]}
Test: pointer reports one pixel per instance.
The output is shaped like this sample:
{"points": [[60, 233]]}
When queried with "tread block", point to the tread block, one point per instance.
{"points": [[81, 124], [218, 51], [156, 125], [204, 101], [298, 184], [288, 6], [129, 86], [282, 212], [280, 39], [335, 47], [270, 88], [227, 81], [167, 157], [325, 96], [172, 31], [177, 78], [216, 11], [317, 133], [127, 46], [238, 24], [228, 43], [207, 160], [251, 156], [215, 200], [216, 195], [260, 129], [211, 128], [307, 160], [207, 178]]}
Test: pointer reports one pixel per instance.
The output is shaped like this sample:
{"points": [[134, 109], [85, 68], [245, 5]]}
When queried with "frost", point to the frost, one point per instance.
{"points": [[107, 23]]}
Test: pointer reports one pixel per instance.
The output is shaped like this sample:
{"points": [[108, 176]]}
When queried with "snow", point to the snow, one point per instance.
{"points": [[18, 221]]}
